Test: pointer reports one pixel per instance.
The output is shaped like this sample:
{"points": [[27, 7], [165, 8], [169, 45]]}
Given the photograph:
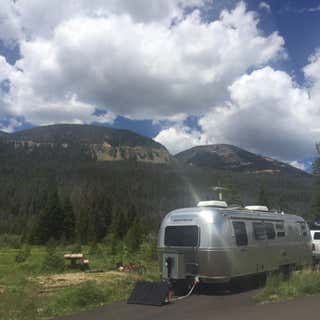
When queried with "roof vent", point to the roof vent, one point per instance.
{"points": [[212, 203], [257, 208]]}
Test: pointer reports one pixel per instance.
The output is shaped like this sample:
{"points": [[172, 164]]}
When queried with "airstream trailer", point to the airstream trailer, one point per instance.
{"points": [[215, 243]]}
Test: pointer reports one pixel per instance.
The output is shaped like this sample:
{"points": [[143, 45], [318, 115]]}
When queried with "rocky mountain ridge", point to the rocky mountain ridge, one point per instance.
{"points": [[232, 158]]}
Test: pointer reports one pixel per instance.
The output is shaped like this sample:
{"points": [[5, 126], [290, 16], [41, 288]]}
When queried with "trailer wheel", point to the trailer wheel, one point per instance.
{"points": [[286, 270], [181, 287]]}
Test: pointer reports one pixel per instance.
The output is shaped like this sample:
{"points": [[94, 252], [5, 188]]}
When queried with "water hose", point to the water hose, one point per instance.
{"points": [[195, 282]]}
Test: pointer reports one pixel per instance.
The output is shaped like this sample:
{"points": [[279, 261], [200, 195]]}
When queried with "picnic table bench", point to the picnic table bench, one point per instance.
{"points": [[76, 259]]}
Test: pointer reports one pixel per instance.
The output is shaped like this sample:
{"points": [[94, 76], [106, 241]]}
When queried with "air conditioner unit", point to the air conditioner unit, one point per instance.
{"points": [[213, 203], [257, 208]]}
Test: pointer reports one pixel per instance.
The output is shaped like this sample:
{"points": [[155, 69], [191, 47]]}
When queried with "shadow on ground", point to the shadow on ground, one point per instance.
{"points": [[236, 286]]}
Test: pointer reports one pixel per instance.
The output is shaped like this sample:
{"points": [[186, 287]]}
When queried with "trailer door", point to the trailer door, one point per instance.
{"points": [[240, 253]]}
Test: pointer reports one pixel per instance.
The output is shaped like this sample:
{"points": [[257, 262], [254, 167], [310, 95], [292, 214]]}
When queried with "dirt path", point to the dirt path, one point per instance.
{"points": [[224, 307]]}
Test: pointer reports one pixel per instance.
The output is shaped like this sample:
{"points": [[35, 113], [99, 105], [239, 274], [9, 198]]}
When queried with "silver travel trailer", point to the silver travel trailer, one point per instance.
{"points": [[216, 243]]}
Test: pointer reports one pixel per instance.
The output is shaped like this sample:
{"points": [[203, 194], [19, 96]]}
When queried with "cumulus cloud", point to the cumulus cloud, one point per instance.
{"points": [[298, 164], [179, 138], [267, 113], [159, 61], [10, 28], [265, 6], [107, 57], [10, 125], [37, 18]]}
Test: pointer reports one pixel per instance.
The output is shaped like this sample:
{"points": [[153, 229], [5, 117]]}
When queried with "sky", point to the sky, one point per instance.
{"points": [[183, 72]]}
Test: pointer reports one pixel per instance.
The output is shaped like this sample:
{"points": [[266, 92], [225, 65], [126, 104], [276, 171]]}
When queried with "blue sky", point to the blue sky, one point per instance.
{"points": [[184, 72]]}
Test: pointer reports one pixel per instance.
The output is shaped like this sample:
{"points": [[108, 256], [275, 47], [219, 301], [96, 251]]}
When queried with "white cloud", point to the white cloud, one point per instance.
{"points": [[10, 29], [37, 18], [314, 9], [267, 113], [132, 67], [179, 138], [10, 125], [298, 164], [265, 6], [157, 62]]}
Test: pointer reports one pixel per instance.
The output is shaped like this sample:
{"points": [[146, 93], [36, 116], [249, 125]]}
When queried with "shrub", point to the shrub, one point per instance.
{"points": [[10, 241], [79, 297], [53, 262], [148, 249], [20, 302], [95, 249], [51, 245], [279, 288], [23, 254], [133, 237], [75, 248], [86, 294]]}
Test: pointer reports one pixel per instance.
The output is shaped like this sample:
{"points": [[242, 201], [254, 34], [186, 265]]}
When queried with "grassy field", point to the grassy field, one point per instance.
{"points": [[278, 288], [35, 283]]}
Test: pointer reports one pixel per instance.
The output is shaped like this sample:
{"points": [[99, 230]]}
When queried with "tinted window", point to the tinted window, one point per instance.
{"points": [[316, 236], [281, 234], [259, 231], [270, 231], [181, 236], [240, 233], [280, 226]]}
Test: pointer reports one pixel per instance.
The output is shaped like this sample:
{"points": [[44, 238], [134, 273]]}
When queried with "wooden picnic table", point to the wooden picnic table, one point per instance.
{"points": [[76, 259]]}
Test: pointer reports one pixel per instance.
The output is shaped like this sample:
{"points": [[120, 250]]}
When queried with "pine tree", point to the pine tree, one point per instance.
{"points": [[82, 226], [233, 195], [282, 204], [263, 198], [134, 236], [55, 216], [69, 220], [119, 225], [50, 221], [314, 214]]}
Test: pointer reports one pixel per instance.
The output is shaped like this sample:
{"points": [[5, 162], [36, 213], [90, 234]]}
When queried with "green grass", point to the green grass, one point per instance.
{"points": [[85, 296], [277, 288], [22, 296]]}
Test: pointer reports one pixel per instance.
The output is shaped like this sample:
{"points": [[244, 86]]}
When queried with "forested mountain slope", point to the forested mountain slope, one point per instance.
{"points": [[54, 183], [81, 142]]}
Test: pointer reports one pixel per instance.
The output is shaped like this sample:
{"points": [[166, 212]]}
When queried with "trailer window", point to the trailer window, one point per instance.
{"points": [[240, 233], [316, 236], [303, 228], [259, 231], [181, 236], [281, 234], [280, 226], [270, 231]]}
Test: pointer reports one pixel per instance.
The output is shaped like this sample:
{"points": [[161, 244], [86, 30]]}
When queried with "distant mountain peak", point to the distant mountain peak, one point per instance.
{"points": [[77, 141], [233, 158]]}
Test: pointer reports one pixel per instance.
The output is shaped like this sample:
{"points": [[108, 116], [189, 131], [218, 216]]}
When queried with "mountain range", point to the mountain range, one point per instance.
{"points": [[107, 144], [109, 174]]}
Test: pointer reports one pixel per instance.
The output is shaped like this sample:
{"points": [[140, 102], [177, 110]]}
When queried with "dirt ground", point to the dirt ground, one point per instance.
{"points": [[56, 281]]}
